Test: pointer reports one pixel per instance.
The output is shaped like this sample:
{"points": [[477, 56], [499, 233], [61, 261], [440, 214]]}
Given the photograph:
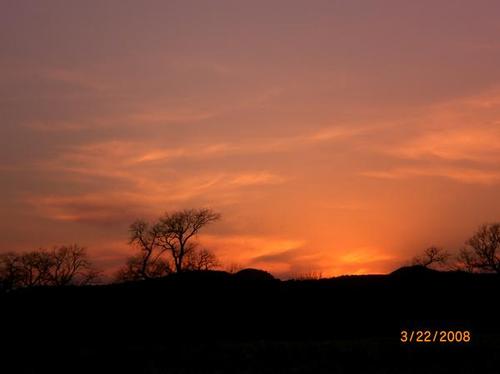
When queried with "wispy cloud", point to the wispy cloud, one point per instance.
{"points": [[467, 176], [142, 176], [146, 193], [458, 139], [263, 145], [114, 154], [80, 78], [280, 255], [364, 255], [481, 143], [133, 119]]}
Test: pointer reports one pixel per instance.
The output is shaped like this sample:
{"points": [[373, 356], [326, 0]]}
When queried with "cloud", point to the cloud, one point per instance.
{"points": [[247, 248], [138, 101], [78, 78], [279, 255], [257, 179], [299, 260], [55, 126], [481, 143], [466, 128], [120, 180], [264, 145], [467, 176], [99, 209], [458, 139], [134, 118], [147, 175], [364, 255], [145, 194], [291, 262], [113, 157]]}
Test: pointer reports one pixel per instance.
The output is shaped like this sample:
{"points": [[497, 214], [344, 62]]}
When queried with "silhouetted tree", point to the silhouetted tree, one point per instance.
{"points": [[168, 245], [58, 267], [10, 270], [466, 260], [432, 256], [178, 230], [137, 269], [36, 268], [148, 263], [201, 260], [482, 251], [71, 264]]}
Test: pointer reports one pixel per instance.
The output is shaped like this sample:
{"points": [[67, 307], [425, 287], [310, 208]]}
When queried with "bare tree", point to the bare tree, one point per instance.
{"points": [[178, 231], [10, 270], [201, 260], [482, 251], [466, 260], [71, 264], [61, 266], [35, 268], [135, 269], [168, 245], [147, 238], [432, 256]]}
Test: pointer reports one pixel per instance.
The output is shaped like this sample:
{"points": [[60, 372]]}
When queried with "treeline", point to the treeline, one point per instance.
{"points": [[168, 245], [59, 266], [481, 253]]}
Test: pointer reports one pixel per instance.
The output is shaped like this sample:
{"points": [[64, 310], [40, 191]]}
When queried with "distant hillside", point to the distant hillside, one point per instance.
{"points": [[414, 271], [202, 308], [360, 304]]}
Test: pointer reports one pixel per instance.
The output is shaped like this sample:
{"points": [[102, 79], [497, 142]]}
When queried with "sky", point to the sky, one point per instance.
{"points": [[336, 137]]}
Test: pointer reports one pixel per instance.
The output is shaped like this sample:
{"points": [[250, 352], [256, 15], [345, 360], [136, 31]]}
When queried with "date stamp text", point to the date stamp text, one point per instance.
{"points": [[435, 336]]}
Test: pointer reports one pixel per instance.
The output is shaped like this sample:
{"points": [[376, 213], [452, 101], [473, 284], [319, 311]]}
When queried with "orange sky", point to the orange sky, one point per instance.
{"points": [[341, 137]]}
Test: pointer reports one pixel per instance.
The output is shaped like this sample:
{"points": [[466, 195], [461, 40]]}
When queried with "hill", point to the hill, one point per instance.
{"points": [[181, 314]]}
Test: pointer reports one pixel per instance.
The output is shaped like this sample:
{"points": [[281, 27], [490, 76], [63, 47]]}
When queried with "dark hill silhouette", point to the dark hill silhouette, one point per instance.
{"points": [[254, 275], [414, 271], [219, 320]]}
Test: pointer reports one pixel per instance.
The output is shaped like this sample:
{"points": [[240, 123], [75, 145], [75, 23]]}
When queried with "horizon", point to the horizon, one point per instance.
{"points": [[341, 138]]}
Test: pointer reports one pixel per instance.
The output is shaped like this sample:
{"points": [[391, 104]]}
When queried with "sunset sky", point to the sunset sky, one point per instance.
{"points": [[333, 136]]}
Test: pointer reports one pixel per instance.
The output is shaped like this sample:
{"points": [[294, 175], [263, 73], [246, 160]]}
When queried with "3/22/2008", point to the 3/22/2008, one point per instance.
{"points": [[435, 336]]}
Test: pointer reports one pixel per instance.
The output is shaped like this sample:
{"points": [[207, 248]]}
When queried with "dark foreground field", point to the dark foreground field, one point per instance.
{"points": [[213, 322]]}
